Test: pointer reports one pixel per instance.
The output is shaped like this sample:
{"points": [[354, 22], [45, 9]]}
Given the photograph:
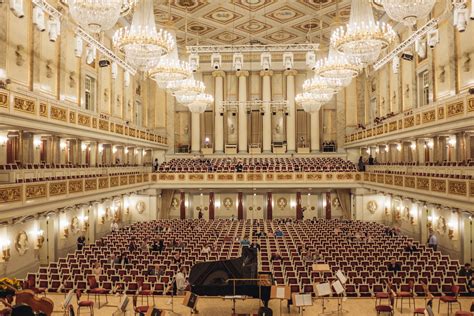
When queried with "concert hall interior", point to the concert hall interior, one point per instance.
{"points": [[236, 157]]}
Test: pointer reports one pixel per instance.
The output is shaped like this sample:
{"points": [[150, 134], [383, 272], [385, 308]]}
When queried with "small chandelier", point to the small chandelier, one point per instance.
{"points": [[200, 103], [336, 68], [308, 102], [319, 85], [99, 15], [406, 11], [186, 90], [142, 44], [170, 68], [362, 39]]}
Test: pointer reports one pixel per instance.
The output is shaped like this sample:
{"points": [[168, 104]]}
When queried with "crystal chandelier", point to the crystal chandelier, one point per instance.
{"points": [[170, 68], [406, 11], [336, 68], [319, 85], [362, 39], [142, 44], [186, 90], [99, 15], [200, 103], [308, 102]]}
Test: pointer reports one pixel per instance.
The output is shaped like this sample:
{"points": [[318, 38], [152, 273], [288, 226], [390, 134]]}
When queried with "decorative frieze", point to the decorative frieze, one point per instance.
{"points": [[75, 186], [24, 105], [3, 100], [84, 120], [10, 194], [438, 185], [90, 185], [43, 109], [57, 188], [410, 182], [457, 187], [35, 191], [429, 116], [455, 109], [423, 183], [58, 114]]}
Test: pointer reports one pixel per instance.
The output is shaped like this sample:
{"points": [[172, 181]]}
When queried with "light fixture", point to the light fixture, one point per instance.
{"points": [[461, 15], [200, 103], [336, 66], [432, 38], [308, 102], [186, 90], [413, 145], [216, 60], [288, 60], [362, 39], [39, 234], [54, 29], [79, 46], [90, 54], [38, 19], [406, 11], [98, 15], [310, 59], [266, 61], [194, 62], [16, 6], [238, 61], [319, 85], [5, 246], [142, 44], [399, 147]]}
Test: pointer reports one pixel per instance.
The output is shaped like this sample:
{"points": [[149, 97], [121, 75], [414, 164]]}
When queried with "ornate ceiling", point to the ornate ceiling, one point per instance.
{"points": [[219, 22]]}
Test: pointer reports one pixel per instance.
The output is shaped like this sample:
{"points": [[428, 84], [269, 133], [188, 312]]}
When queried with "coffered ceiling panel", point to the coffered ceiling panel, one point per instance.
{"points": [[252, 21]]}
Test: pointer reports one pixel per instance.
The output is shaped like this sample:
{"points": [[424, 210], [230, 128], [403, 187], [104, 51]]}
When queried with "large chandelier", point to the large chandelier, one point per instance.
{"points": [[406, 11], [142, 43], [362, 39], [99, 15], [308, 102], [200, 103], [319, 85], [185, 91], [336, 68], [170, 68]]}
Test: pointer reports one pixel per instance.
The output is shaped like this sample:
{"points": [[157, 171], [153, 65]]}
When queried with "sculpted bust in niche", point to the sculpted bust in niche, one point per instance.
{"points": [[21, 243]]}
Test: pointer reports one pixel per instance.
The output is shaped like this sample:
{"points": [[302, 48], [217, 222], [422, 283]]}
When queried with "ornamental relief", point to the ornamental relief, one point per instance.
{"points": [[103, 125], [75, 186], [329, 176], [123, 180], [118, 129], [11, 194], [455, 109], [210, 177], [373, 177], [388, 179], [379, 130], [429, 116], [299, 176], [140, 178], [418, 119], [423, 183], [24, 105], [314, 177], [57, 188], [94, 122], [72, 117], [43, 109], [471, 188], [366, 177], [225, 177], [398, 180], [181, 177], [114, 181], [438, 185], [392, 126], [131, 179], [196, 177], [3, 100], [90, 184], [83, 120], [380, 178], [35, 191], [470, 105], [409, 121], [344, 176], [58, 114], [284, 176], [240, 177], [457, 187], [103, 183], [441, 113], [410, 182], [254, 177]]}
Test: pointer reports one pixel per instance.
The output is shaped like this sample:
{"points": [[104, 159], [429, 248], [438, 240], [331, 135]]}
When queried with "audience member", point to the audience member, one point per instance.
{"points": [[154, 246], [206, 249], [278, 232], [433, 241], [155, 165], [255, 245], [361, 164], [177, 258], [131, 246], [394, 266], [181, 283], [97, 270], [114, 227], [245, 242], [410, 247], [156, 269], [371, 160], [275, 256], [81, 242], [466, 270]]}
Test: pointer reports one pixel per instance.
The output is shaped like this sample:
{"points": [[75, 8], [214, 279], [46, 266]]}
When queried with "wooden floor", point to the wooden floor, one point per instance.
{"points": [[212, 306]]}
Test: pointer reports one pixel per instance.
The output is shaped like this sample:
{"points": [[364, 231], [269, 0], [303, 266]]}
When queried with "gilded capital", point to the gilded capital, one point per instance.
{"points": [[291, 72], [242, 73], [264, 73], [218, 73]]}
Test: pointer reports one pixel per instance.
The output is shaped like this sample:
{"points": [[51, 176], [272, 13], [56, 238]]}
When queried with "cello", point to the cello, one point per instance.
{"points": [[43, 304]]}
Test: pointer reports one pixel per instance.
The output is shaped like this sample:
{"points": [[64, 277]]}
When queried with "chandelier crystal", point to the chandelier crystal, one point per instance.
{"points": [[406, 11], [320, 85], [336, 68], [142, 44], [99, 15], [170, 68], [308, 102], [185, 91], [362, 39], [200, 103]]}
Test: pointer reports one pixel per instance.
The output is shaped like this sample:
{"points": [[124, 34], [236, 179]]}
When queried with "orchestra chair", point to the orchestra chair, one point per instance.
{"points": [[83, 304]]}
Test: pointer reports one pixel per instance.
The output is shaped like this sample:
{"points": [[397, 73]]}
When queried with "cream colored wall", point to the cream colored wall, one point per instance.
{"points": [[226, 205]]}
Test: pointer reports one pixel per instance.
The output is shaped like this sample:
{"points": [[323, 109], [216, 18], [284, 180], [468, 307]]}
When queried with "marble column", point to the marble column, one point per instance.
{"points": [[267, 117], [243, 138], [291, 117], [315, 144], [195, 132], [218, 118]]}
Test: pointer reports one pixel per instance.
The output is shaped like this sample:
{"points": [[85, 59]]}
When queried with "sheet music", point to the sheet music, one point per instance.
{"points": [[303, 300], [341, 277], [280, 292], [338, 287], [323, 289]]}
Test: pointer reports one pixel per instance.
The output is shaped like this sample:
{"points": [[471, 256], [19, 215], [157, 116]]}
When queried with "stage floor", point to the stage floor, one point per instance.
{"points": [[214, 306]]}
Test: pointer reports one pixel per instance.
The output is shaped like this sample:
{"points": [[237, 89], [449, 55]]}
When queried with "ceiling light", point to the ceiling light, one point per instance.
{"points": [[216, 60], [194, 62], [311, 102], [336, 66], [200, 103], [362, 39], [142, 43], [98, 15], [318, 85], [288, 60], [406, 11]]}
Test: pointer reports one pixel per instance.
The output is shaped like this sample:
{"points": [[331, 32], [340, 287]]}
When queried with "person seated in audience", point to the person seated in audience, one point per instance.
{"points": [[111, 259], [144, 246], [159, 228], [125, 259], [206, 249], [114, 227], [337, 230], [97, 270], [371, 160], [180, 244], [466, 270], [173, 243], [245, 242], [275, 256], [81, 242], [200, 214], [156, 269], [154, 246], [177, 258], [317, 256], [278, 232], [394, 266], [131, 246], [232, 218], [358, 235], [239, 167], [255, 245], [410, 247], [161, 245], [388, 231], [118, 259], [368, 237]]}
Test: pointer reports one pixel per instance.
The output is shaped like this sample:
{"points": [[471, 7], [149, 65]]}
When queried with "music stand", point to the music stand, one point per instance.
{"points": [[67, 301], [122, 307], [322, 290], [301, 300], [190, 301], [280, 292]]}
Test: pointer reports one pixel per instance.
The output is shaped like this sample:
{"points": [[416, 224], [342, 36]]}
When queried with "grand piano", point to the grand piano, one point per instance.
{"points": [[231, 277]]}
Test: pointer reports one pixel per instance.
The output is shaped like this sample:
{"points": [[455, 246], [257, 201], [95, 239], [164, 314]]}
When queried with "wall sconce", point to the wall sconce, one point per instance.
{"points": [[84, 146], [37, 142], [429, 223], [126, 150], [413, 145], [62, 145], [4, 81], [65, 228], [451, 226], [39, 238], [114, 149], [5, 246], [83, 220], [452, 141], [101, 214], [100, 148], [430, 144], [126, 206], [3, 140], [399, 147]]}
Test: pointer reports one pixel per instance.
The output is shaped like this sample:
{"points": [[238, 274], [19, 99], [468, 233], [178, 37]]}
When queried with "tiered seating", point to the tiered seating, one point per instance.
{"points": [[364, 261], [324, 164], [50, 172]]}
